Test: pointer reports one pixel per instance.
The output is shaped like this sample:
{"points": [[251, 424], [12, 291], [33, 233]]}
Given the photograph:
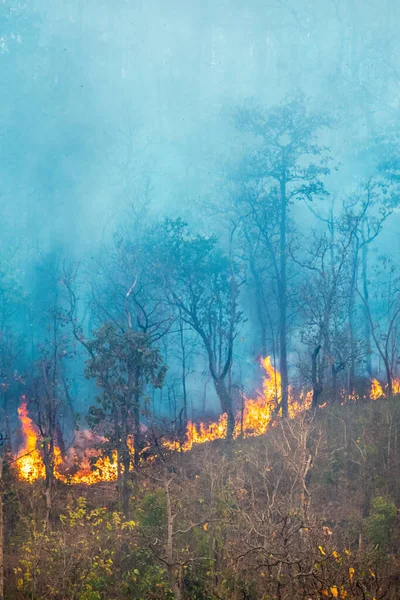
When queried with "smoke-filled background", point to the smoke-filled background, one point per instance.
{"points": [[99, 98], [109, 107]]}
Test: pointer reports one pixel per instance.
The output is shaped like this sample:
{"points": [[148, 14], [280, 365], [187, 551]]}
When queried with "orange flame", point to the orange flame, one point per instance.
{"points": [[257, 413], [376, 390], [29, 462], [86, 465], [103, 469], [253, 419], [396, 386]]}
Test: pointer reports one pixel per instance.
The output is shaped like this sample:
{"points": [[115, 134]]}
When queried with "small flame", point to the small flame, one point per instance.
{"points": [[396, 386]]}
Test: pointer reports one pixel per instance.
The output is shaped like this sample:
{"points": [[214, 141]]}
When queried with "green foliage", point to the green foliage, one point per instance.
{"points": [[75, 560], [381, 521], [287, 141], [113, 354], [198, 275], [145, 579], [122, 363], [194, 583], [152, 509]]}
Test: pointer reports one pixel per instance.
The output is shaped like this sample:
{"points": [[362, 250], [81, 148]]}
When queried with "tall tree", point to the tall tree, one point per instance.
{"points": [[323, 300], [48, 384], [365, 214], [203, 285], [12, 344], [123, 363], [131, 318], [382, 309], [284, 164]]}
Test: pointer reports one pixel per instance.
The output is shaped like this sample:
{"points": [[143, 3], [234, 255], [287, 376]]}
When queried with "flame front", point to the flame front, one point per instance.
{"points": [[376, 390], [396, 386], [75, 468], [83, 464], [103, 468], [253, 419], [29, 461], [257, 413]]}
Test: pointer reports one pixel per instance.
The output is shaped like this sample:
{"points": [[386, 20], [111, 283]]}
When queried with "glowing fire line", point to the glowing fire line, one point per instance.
{"points": [[29, 462], [90, 467]]}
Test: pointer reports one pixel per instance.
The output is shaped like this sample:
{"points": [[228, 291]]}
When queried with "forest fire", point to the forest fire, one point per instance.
{"points": [[376, 390], [252, 420], [29, 462], [88, 468], [30, 465], [84, 464]]}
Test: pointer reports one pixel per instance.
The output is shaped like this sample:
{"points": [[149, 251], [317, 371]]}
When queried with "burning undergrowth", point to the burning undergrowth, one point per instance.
{"points": [[87, 462]]}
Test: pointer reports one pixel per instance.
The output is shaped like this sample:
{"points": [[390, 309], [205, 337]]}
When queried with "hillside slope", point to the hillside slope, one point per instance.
{"points": [[306, 511]]}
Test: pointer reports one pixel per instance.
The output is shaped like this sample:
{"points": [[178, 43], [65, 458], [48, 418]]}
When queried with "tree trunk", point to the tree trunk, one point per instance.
{"points": [[317, 387], [48, 459], [259, 305], [170, 547], [335, 370], [283, 304], [367, 324], [126, 461], [334, 384], [389, 378], [125, 486], [226, 404], [49, 502], [352, 366], [184, 389], [1, 532], [174, 584], [204, 397], [137, 441], [117, 434]]}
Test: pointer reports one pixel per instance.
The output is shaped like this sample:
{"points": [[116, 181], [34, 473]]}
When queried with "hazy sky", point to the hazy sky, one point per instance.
{"points": [[104, 101]]}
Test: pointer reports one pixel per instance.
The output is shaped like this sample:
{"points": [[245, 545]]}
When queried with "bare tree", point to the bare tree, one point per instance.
{"points": [[383, 313], [323, 305], [285, 164], [203, 285]]}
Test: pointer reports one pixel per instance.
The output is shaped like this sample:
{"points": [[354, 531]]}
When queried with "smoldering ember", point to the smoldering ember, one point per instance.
{"points": [[199, 300]]}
